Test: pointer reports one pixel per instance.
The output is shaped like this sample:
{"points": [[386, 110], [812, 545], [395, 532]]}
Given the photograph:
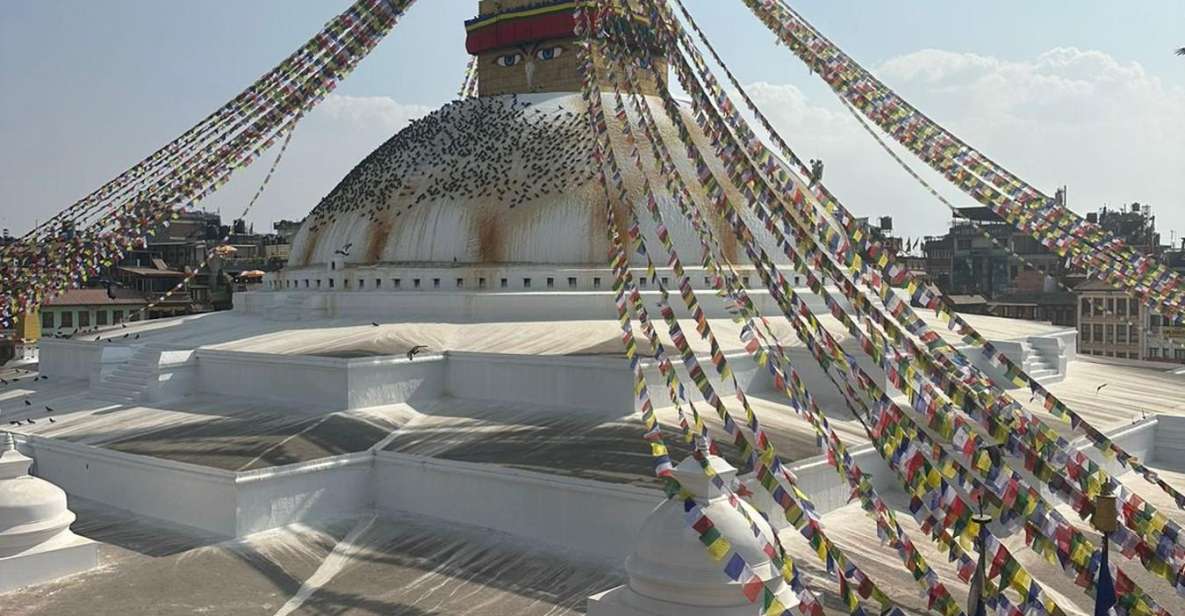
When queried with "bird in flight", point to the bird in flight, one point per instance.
{"points": [[344, 250], [417, 349], [1181, 51], [1099, 388]]}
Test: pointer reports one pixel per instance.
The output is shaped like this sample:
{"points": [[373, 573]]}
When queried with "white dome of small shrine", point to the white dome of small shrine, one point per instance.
{"points": [[32, 510], [670, 571]]}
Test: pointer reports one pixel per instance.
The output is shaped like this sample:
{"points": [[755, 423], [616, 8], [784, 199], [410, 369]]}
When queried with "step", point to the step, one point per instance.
{"points": [[122, 386], [127, 382], [111, 394]]}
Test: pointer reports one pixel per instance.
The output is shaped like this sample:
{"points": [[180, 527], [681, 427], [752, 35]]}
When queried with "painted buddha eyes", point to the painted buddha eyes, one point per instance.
{"points": [[549, 53], [509, 59]]}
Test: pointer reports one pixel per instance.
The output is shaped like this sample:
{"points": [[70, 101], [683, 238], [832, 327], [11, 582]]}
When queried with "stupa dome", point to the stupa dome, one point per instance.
{"points": [[669, 570], [32, 510], [490, 180]]}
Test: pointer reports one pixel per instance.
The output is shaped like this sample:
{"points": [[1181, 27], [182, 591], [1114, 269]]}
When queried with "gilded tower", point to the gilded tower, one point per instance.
{"points": [[527, 46]]}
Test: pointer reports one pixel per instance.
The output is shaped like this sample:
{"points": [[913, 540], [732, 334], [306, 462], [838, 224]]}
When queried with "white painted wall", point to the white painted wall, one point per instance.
{"points": [[79, 359], [1168, 441], [598, 519], [272, 497], [391, 380], [472, 306], [176, 492], [829, 491], [597, 384], [320, 381]]}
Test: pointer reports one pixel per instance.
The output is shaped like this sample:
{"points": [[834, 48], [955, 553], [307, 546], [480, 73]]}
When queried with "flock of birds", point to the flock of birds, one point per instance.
{"points": [[91, 330], [497, 149], [29, 420]]}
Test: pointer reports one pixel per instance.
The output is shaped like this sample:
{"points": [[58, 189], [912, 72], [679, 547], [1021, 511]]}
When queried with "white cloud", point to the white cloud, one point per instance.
{"points": [[370, 111], [1109, 130]]}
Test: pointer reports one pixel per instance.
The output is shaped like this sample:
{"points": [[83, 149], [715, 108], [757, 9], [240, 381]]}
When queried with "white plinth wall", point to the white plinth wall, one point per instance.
{"points": [[36, 544]]}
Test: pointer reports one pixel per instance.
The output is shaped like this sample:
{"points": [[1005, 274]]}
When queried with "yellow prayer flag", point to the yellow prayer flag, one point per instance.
{"points": [[719, 548]]}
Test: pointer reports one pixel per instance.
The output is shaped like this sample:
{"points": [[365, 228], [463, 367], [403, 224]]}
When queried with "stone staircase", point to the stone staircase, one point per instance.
{"points": [[130, 380], [1042, 359], [290, 308]]}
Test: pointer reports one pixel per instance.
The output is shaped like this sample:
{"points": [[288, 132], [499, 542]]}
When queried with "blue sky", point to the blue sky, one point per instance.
{"points": [[1080, 93]]}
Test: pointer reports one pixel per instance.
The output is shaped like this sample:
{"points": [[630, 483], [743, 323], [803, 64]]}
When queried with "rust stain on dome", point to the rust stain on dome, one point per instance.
{"points": [[310, 246], [489, 238], [380, 232]]}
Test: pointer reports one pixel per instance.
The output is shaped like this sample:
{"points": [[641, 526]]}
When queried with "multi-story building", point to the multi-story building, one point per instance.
{"points": [[1111, 324], [77, 310]]}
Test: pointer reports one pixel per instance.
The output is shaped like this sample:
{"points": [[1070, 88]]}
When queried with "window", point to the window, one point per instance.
{"points": [[1179, 354], [642, 282], [504, 283], [1110, 305], [1098, 306], [395, 282], [345, 283], [46, 320], [435, 283], [665, 281], [306, 283], [1154, 353], [1121, 306], [100, 317], [415, 282], [707, 281], [1097, 333], [745, 280], [481, 283], [1132, 333], [318, 283], [460, 283], [361, 283], [1085, 303], [117, 316], [331, 283], [596, 283], [67, 318], [526, 283], [1121, 334], [571, 283], [1109, 334], [378, 282], [550, 282], [332, 267], [84, 318]]}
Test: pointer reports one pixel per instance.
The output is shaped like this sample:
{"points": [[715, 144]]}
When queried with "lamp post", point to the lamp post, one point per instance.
{"points": [[1105, 519]]}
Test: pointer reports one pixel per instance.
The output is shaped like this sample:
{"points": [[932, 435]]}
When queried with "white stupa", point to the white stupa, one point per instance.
{"points": [[669, 571], [36, 543]]}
